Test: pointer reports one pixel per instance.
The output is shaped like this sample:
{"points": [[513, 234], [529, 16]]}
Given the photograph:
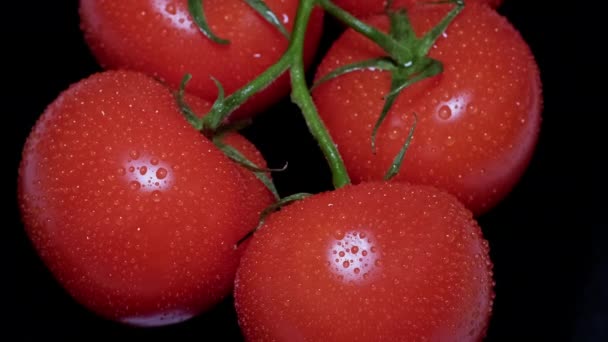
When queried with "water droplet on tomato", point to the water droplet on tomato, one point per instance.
{"points": [[357, 270], [450, 141], [121, 171], [156, 196], [341, 254], [170, 8], [134, 185], [161, 173], [154, 161], [134, 155], [444, 112], [346, 264], [131, 169], [354, 250], [143, 170]]}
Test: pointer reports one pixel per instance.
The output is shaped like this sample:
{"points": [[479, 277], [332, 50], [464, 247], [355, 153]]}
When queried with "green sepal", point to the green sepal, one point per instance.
{"points": [[380, 63], [396, 166], [397, 80], [432, 67], [240, 159], [263, 9], [188, 113], [272, 208], [195, 7], [214, 119], [425, 43]]}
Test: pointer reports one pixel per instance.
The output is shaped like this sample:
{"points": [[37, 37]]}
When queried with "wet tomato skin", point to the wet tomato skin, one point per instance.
{"points": [[366, 8], [159, 38], [370, 262], [478, 121], [134, 212]]}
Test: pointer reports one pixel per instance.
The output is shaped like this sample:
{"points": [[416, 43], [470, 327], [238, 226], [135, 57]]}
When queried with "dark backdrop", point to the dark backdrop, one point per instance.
{"points": [[548, 239]]}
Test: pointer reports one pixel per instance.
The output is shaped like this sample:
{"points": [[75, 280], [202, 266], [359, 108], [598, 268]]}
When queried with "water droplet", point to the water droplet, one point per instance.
{"points": [[345, 264], [450, 141], [364, 253], [373, 249], [170, 8], [154, 161], [156, 196], [341, 254], [378, 263], [339, 235], [143, 170], [354, 250], [131, 169], [134, 185], [357, 270], [444, 113], [394, 134], [134, 155], [121, 171], [161, 173]]}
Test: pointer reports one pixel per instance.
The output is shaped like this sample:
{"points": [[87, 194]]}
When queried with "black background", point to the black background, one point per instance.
{"points": [[548, 239]]}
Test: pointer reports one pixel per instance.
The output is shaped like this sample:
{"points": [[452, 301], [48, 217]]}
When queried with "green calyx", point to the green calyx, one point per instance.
{"points": [[409, 66]]}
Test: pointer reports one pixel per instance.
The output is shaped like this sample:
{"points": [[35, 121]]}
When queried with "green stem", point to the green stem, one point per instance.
{"points": [[214, 119], [301, 96], [397, 51]]}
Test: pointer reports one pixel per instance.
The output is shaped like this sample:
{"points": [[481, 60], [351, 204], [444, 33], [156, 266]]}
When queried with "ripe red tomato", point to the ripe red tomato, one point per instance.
{"points": [[365, 8], [478, 121], [135, 213], [370, 262], [160, 39]]}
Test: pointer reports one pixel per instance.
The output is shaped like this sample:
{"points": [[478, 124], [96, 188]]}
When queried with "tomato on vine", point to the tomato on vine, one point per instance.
{"points": [[476, 119], [161, 39], [370, 262], [134, 212]]}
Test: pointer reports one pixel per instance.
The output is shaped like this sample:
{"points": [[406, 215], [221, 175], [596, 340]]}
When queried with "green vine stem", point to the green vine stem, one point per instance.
{"points": [[301, 96], [403, 55]]}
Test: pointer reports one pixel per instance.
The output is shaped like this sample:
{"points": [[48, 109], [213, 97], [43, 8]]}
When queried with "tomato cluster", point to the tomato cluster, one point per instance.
{"points": [[148, 219]]}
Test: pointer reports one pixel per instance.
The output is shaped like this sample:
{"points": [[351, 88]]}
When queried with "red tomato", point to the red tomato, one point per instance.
{"points": [[365, 8], [370, 262], [478, 121], [135, 213], [160, 39]]}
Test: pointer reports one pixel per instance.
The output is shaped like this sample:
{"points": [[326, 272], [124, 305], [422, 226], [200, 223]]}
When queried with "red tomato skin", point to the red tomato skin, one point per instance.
{"points": [[159, 38], [134, 212], [255, 194], [365, 8], [478, 121], [420, 271]]}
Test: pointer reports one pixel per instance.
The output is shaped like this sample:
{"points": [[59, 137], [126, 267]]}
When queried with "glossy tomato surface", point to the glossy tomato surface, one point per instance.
{"points": [[371, 262], [478, 121], [366, 8], [161, 39], [548, 238], [135, 213]]}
